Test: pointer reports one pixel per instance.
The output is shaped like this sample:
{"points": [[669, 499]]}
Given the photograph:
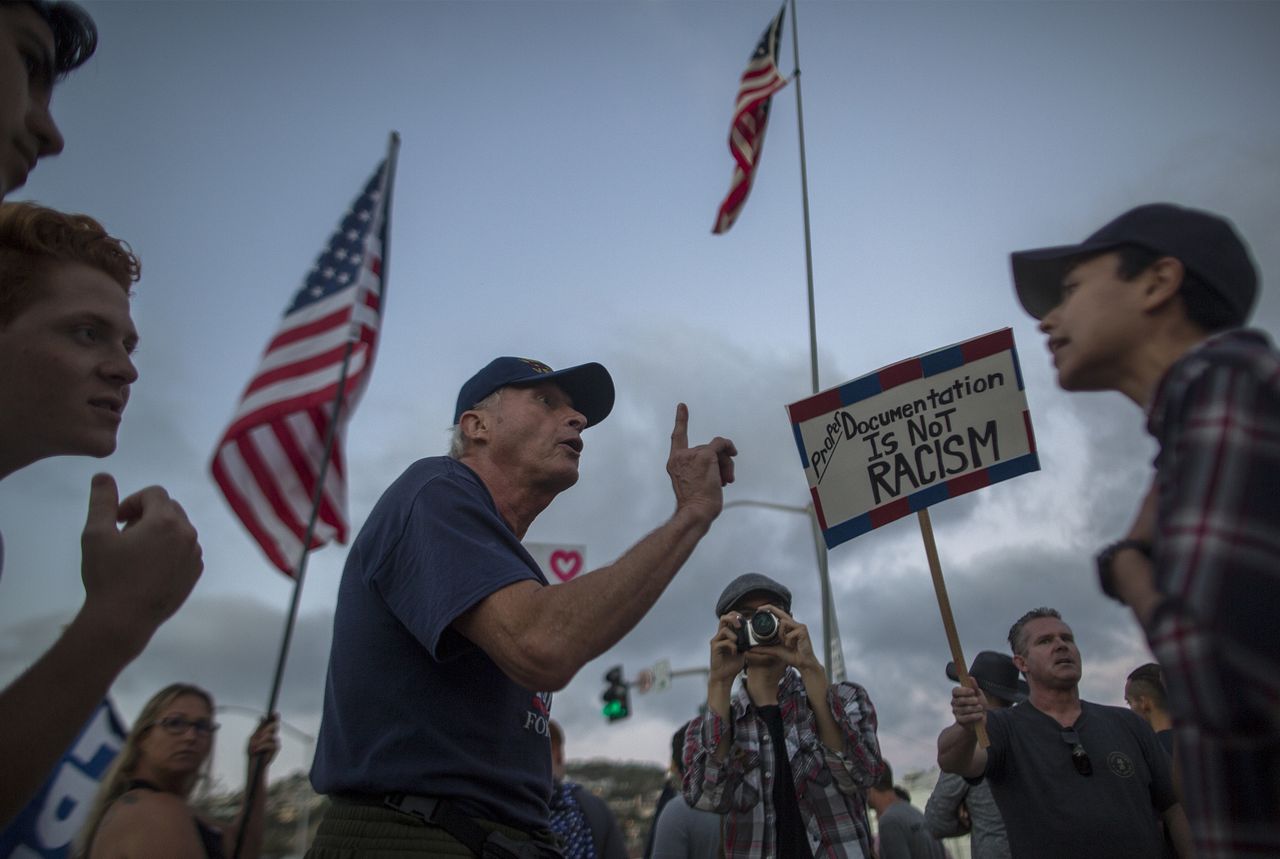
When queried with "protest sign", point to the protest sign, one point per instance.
{"points": [[914, 433], [559, 561], [51, 821]]}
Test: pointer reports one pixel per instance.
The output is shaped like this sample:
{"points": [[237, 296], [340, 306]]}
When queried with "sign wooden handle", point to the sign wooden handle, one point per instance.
{"points": [[944, 606]]}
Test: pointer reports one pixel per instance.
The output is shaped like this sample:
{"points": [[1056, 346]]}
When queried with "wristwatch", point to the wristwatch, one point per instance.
{"points": [[1105, 559]]}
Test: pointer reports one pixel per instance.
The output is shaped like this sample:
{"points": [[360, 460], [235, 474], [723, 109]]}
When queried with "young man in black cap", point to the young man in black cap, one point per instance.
{"points": [[787, 760], [1151, 306], [447, 640], [1001, 687]]}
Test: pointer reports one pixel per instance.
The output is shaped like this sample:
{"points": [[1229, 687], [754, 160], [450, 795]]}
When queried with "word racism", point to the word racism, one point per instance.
{"points": [[937, 447]]}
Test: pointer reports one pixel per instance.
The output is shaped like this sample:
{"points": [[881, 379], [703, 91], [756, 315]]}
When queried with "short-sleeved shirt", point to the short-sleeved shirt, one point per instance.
{"points": [[686, 833], [410, 705], [904, 834], [1051, 811]]}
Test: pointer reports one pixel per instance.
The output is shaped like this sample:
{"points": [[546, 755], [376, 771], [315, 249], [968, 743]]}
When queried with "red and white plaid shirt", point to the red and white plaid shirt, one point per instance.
{"points": [[1216, 415], [830, 787]]}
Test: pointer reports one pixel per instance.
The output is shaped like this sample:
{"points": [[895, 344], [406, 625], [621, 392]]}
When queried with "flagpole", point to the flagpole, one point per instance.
{"points": [[830, 635], [331, 434]]}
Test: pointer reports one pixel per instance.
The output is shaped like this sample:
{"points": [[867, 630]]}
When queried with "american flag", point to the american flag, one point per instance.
{"points": [[750, 119], [269, 459]]}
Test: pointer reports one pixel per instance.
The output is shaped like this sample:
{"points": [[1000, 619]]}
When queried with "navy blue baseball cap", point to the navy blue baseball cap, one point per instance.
{"points": [[589, 385], [1207, 244]]}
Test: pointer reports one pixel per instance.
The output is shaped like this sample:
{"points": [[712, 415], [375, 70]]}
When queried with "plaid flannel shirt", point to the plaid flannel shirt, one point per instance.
{"points": [[831, 787], [1216, 633]]}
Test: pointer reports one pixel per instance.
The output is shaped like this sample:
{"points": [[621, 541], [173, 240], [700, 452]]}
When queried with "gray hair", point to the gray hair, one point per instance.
{"points": [[457, 440], [1017, 641]]}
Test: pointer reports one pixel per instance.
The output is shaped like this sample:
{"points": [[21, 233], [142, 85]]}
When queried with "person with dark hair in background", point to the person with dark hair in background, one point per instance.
{"points": [[681, 832], [902, 832], [997, 677], [1072, 778], [586, 826], [142, 809], [1145, 694], [448, 640], [40, 43], [788, 759], [1152, 306], [66, 339]]}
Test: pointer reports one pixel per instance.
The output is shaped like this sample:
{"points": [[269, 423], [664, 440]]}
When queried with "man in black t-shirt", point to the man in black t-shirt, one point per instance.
{"points": [[1071, 778]]}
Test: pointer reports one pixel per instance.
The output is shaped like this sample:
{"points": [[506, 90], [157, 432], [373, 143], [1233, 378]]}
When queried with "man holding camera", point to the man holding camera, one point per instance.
{"points": [[788, 759]]}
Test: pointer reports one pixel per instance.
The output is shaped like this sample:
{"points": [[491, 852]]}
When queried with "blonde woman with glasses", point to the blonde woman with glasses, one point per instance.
{"points": [[142, 809]]}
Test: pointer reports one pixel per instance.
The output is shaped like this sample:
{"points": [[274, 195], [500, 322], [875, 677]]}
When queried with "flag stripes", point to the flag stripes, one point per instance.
{"points": [[751, 119], [269, 459]]}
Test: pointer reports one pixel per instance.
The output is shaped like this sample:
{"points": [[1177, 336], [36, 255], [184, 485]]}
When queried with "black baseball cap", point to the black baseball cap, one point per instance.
{"points": [[1207, 244], [589, 385], [750, 583], [996, 675]]}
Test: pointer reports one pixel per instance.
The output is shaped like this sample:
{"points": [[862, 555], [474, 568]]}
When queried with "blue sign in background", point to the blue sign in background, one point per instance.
{"points": [[48, 825]]}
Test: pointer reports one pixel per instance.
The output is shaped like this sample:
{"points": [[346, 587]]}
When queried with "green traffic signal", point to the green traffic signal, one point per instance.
{"points": [[616, 705]]}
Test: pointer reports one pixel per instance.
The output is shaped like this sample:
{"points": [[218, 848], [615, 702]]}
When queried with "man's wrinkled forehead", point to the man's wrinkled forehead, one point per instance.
{"points": [[1039, 627]]}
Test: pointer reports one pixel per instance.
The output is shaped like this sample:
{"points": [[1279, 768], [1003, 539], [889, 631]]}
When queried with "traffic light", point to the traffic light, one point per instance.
{"points": [[617, 697]]}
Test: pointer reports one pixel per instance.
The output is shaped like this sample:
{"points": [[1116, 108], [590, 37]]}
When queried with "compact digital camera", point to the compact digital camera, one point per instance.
{"points": [[762, 628]]}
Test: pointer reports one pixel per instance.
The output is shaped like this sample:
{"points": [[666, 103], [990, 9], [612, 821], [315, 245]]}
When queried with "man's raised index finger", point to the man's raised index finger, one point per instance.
{"points": [[680, 435]]}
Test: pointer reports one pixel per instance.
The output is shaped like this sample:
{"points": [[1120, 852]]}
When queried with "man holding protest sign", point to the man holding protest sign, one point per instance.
{"points": [[1071, 778], [809, 802], [1151, 306], [447, 639]]}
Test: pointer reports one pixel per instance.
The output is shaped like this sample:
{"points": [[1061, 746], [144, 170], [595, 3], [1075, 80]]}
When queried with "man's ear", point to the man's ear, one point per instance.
{"points": [[1020, 664], [1162, 282], [474, 424]]}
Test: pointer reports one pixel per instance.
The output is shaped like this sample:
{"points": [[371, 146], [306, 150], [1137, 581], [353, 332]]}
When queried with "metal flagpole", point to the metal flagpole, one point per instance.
{"points": [[831, 635], [331, 434]]}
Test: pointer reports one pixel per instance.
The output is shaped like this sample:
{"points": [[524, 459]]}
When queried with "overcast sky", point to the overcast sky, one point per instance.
{"points": [[561, 166]]}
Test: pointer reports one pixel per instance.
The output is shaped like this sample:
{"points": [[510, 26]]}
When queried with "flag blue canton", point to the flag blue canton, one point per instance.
{"points": [[339, 265]]}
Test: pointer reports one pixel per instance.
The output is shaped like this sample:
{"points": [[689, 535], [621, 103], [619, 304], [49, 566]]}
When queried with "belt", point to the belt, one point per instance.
{"points": [[488, 843]]}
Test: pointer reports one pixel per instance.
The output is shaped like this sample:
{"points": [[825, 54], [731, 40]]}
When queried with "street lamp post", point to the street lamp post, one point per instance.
{"points": [[832, 652]]}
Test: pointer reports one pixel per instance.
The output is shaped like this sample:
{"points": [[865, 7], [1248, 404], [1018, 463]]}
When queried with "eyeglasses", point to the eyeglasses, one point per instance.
{"points": [[1079, 757], [178, 725]]}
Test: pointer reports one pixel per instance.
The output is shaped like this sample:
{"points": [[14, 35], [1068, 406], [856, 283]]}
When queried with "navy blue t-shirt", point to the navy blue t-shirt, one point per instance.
{"points": [[411, 706]]}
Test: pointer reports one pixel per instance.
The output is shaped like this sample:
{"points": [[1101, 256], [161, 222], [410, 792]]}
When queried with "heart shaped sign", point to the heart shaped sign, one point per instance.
{"points": [[566, 565]]}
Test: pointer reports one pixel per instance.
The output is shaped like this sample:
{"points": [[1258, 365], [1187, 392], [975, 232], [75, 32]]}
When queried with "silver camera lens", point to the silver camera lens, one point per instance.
{"points": [[764, 627]]}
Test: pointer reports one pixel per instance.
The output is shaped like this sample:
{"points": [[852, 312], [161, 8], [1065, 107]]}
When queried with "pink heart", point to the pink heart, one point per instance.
{"points": [[566, 565]]}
